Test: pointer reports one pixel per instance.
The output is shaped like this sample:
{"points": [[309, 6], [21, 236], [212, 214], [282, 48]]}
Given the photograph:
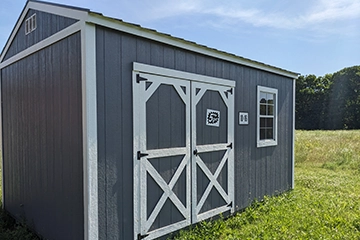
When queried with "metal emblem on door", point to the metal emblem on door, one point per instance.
{"points": [[212, 118]]}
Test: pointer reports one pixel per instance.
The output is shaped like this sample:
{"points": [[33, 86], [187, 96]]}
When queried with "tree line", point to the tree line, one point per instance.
{"points": [[328, 102]]}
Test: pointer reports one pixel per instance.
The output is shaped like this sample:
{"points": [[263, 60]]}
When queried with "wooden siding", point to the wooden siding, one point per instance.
{"points": [[258, 171], [47, 25], [42, 140]]}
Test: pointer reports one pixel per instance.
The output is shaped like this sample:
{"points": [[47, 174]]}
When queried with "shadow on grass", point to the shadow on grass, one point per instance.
{"points": [[11, 230]]}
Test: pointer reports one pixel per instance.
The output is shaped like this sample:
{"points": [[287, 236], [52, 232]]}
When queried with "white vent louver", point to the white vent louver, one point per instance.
{"points": [[30, 24]]}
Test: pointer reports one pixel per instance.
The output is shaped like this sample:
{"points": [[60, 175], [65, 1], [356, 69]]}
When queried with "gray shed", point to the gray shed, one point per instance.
{"points": [[114, 131]]}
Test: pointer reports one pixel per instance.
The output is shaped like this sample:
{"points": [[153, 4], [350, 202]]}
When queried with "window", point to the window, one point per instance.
{"points": [[266, 116], [30, 24]]}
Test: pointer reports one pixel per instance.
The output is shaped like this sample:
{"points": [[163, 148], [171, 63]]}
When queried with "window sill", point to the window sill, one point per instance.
{"points": [[266, 143]]}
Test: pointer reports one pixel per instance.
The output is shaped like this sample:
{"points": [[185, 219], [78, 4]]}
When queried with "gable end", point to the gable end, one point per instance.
{"points": [[46, 25]]}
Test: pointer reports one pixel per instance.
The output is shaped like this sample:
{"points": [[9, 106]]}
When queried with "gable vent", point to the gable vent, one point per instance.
{"points": [[30, 24]]}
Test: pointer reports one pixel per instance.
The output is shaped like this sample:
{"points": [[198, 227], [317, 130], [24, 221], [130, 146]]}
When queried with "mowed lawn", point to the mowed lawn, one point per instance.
{"points": [[325, 203]]}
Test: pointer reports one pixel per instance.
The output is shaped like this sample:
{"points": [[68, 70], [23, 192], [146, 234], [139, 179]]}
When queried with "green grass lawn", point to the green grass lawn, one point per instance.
{"points": [[325, 203]]}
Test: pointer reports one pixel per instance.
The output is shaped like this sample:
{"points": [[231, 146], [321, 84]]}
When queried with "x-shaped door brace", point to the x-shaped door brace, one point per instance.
{"points": [[212, 177], [167, 188], [227, 96]]}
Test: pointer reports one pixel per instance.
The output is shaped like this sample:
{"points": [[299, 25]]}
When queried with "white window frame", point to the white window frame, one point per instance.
{"points": [[267, 142]]}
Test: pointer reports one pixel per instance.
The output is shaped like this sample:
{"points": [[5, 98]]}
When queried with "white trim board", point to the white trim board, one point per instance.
{"points": [[90, 142], [139, 67], [43, 44], [65, 11], [1, 148], [293, 140]]}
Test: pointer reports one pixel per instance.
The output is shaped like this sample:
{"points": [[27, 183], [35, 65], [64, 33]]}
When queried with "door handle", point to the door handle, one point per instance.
{"points": [[195, 152]]}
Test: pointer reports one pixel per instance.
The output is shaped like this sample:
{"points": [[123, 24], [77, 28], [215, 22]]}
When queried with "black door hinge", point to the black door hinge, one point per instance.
{"points": [[139, 78], [139, 236], [140, 155], [229, 146], [195, 152], [230, 91], [230, 204]]}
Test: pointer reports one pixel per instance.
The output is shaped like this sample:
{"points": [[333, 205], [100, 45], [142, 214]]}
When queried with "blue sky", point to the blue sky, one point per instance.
{"points": [[304, 36]]}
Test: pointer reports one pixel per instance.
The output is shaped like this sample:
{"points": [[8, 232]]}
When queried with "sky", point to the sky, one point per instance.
{"points": [[303, 36]]}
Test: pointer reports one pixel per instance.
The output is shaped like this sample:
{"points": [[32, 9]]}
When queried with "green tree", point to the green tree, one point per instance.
{"points": [[344, 99], [311, 101]]}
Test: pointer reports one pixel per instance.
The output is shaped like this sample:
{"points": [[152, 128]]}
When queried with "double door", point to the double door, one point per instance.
{"points": [[183, 152]]}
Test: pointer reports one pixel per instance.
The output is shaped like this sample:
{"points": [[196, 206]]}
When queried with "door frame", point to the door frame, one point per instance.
{"points": [[139, 68]]}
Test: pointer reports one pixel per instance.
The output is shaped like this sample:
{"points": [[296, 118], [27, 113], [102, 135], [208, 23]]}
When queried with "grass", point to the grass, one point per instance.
{"points": [[325, 203]]}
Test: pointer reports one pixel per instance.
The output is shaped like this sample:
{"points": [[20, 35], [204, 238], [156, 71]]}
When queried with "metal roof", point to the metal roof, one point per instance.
{"points": [[119, 24]]}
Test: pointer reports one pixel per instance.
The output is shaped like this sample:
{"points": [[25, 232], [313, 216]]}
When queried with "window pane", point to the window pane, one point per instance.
{"points": [[262, 109], [270, 110], [269, 122], [269, 133], [262, 122], [270, 98], [262, 134], [262, 97]]}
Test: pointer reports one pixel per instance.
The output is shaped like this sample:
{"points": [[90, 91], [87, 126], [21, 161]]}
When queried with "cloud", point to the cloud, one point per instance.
{"points": [[313, 15]]}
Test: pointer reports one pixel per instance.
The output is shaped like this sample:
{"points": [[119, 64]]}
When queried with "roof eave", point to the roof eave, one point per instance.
{"points": [[86, 15], [137, 30]]}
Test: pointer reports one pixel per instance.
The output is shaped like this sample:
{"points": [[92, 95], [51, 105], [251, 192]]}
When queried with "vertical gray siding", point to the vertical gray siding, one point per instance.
{"points": [[47, 25], [115, 137], [42, 140], [165, 119], [258, 171]]}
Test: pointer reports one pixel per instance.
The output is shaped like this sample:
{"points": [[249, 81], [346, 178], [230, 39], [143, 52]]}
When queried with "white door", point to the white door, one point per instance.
{"points": [[183, 156], [161, 155], [212, 148]]}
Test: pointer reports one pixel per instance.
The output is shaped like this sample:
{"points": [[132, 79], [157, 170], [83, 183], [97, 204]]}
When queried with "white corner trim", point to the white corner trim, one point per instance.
{"points": [[160, 71], [293, 140], [90, 142], [1, 147], [180, 43], [42, 44]]}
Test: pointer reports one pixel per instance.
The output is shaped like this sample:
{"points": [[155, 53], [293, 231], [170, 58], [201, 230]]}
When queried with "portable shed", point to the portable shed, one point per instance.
{"points": [[114, 131]]}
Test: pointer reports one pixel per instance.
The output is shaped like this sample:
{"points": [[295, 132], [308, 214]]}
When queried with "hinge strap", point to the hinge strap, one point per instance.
{"points": [[140, 155], [139, 236], [139, 78]]}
